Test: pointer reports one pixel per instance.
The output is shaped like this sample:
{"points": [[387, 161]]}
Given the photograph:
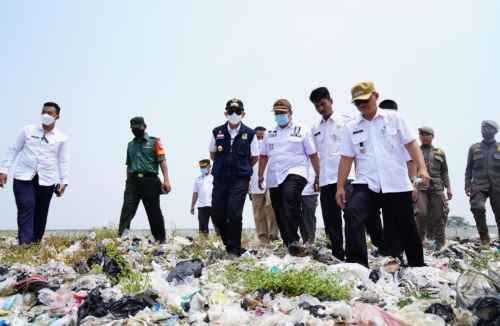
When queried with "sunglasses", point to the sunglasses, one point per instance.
{"points": [[238, 111], [359, 103]]}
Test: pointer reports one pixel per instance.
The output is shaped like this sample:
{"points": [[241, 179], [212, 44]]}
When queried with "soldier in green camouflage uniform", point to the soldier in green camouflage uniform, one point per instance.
{"points": [[482, 178], [432, 204]]}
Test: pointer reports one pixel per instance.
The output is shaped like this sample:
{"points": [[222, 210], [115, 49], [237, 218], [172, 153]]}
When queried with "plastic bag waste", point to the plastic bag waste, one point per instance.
{"points": [[472, 285], [325, 256], [487, 309], [444, 311], [94, 305], [186, 268], [373, 315]]}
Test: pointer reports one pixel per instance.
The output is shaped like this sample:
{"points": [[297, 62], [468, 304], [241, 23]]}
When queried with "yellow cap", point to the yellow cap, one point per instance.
{"points": [[282, 105], [362, 91]]}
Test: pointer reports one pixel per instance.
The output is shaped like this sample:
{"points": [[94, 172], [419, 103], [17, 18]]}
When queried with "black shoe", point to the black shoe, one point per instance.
{"points": [[296, 250]]}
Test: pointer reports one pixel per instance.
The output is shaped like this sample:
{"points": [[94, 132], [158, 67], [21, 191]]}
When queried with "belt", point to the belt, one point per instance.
{"points": [[143, 174]]}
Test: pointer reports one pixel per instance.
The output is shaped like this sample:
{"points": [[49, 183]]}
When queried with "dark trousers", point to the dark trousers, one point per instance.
{"points": [[228, 199], [204, 214], [377, 233], [332, 218], [397, 210], [148, 190], [286, 200], [32, 201], [307, 224]]}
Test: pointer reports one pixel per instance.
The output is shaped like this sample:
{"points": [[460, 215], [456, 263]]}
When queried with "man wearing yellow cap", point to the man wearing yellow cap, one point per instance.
{"points": [[287, 149], [377, 140], [202, 197]]}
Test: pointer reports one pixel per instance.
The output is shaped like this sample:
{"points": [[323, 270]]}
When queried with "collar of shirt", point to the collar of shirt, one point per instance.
{"points": [[380, 113], [143, 138], [235, 131]]}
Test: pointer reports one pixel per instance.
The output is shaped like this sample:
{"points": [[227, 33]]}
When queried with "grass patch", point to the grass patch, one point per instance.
{"points": [[481, 261], [315, 282], [105, 233], [135, 283], [404, 302]]}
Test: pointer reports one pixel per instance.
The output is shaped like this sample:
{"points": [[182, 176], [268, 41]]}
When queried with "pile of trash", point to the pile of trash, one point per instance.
{"points": [[101, 279]]}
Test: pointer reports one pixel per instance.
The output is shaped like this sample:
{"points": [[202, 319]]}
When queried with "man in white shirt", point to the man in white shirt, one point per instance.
{"points": [[263, 213], [307, 224], [234, 149], [288, 148], [202, 197], [327, 135], [42, 157], [378, 140]]}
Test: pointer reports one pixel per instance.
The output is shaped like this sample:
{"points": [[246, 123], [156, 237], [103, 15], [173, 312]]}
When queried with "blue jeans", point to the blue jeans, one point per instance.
{"points": [[33, 203]]}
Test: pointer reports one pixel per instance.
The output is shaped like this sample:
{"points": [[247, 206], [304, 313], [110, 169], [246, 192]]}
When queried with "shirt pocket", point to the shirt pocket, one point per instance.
{"points": [[496, 163], [391, 141], [478, 159], [360, 143]]}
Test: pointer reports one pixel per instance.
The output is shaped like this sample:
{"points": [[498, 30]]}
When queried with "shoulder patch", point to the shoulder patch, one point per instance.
{"points": [[159, 150]]}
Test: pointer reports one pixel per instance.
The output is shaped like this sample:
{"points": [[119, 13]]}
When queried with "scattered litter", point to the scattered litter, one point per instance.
{"points": [[100, 279]]}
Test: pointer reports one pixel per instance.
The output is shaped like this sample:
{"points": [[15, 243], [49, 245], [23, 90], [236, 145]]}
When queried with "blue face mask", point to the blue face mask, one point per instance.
{"points": [[204, 171], [281, 119]]}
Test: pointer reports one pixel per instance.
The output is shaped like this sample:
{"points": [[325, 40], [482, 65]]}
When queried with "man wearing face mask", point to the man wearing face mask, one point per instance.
{"points": [[482, 178], [202, 197], [378, 141], [265, 220], [42, 157], [234, 149], [145, 154], [288, 148]]}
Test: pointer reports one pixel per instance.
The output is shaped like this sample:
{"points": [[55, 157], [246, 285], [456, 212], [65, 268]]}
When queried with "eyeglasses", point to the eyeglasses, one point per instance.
{"points": [[238, 111]]}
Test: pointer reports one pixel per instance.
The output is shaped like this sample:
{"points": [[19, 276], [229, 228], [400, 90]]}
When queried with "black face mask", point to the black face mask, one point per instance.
{"points": [[138, 132]]}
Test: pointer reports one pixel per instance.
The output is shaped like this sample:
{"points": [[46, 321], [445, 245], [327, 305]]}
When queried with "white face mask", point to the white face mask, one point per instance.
{"points": [[47, 119], [234, 118]]}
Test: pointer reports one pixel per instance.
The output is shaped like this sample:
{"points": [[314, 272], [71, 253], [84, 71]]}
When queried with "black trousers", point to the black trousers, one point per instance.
{"points": [[332, 218], [33, 201], [397, 210], [204, 214], [307, 224], [286, 200], [228, 199], [148, 190]]}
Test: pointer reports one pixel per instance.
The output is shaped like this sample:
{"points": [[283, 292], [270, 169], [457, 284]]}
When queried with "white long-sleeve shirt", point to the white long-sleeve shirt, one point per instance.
{"points": [[45, 154]]}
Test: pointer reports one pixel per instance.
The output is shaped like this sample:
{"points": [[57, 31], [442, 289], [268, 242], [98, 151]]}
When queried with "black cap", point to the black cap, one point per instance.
{"points": [[388, 105], [137, 122], [259, 128], [204, 163], [234, 103], [319, 93]]}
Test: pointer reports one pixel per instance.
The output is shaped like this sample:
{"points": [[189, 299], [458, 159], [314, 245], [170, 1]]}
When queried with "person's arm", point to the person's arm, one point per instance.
{"points": [[412, 170], [63, 167], [254, 151], [417, 157], [468, 174], [166, 180], [11, 155], [262, 168], [211, 147], [446, 178], [344, 169], [194, 199], [315, 164]]}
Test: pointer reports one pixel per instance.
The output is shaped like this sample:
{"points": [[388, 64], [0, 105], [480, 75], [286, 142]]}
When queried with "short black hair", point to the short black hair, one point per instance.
{"points": [[54, 105], [260, 128], [319, 93], [388, 105]]}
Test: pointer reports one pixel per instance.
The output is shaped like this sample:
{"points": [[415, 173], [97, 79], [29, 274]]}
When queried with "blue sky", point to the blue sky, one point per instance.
{"points": [[177, 63]]}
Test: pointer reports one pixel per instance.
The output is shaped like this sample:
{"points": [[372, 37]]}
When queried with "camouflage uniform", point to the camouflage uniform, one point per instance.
{"points": [[482, 180], [432, 205]]}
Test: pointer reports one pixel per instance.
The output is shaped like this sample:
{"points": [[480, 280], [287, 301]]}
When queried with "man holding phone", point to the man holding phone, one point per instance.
{"points": [[144, 155]]}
